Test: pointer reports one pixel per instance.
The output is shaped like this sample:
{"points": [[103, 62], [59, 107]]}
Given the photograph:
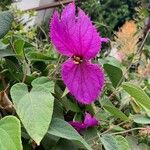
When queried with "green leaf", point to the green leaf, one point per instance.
{"points": [[113, 61], [2, 45], [67, 103], [117, 128], [66, 91], [122, 143], [109, 142], [141, 119], [49, 141], [139, 95], [135, 144], [6, 19], [34, 56], [60, 128], [58, 109], [19, 47], [10, 133], [34, 108], [6, 52], [67, 144], [114, 73], [44, 82], [90, 134], [147, 82], [116, 112]]}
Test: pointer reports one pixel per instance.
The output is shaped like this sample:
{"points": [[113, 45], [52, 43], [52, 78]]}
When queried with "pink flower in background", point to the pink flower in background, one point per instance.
{"points": [[74, 36], [88, 122], [79, 126], [117, 54]]}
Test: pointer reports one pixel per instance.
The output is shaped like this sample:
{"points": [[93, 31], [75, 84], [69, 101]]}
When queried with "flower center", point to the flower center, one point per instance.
{"points": [[77, 59]]}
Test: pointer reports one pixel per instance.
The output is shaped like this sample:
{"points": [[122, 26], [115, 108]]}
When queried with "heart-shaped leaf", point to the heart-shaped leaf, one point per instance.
{"points": [[45, 83], [10, 133], [6, 19], [122, 143], [34, 108], [109, 142]]}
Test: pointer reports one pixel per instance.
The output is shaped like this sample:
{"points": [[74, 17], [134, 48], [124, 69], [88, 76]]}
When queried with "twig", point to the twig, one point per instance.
{"points": [[59, 59], [5, 86], [116, 133], [140, 52], [24, 76], [114, 127], [45, 34], [107, 130], [122, 132]]}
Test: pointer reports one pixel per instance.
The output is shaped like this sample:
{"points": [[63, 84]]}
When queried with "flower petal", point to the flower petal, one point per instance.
{"points": [[68, 12], [79, 126], [75, 34], [104, 40], [90, 121], [59, 30], [86, 38], [85, 81]]}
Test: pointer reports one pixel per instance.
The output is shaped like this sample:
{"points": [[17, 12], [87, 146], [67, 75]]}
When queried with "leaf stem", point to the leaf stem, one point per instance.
{"points": [[122, 132]]}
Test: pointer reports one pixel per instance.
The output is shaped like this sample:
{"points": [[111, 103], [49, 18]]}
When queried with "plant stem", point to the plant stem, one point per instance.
{"points": [[114, 127], [122, 132]]}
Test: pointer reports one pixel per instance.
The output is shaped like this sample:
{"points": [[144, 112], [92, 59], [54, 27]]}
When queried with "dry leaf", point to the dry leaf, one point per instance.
{"points": [[5, 102], [144, 71], [127, 38]]}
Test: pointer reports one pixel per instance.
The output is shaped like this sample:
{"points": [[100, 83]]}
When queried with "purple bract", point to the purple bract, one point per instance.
{"points": [[88, 122], [75, 36]]}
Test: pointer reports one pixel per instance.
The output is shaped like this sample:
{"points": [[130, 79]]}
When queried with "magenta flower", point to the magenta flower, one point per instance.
{"points": [[88, 122], [74, 36], [79, 126]]}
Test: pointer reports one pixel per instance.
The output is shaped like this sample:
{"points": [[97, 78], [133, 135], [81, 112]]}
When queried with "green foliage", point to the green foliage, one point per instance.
{"points": [[4, 4], [114, 143], [114, 73], [6, 19], [38, 105], [10, 133], [142, 99], [109, 142], [100, 12], [134, 144], [141, 119], [122, 143], [62, 129], [31, 87], [115, 112]]}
